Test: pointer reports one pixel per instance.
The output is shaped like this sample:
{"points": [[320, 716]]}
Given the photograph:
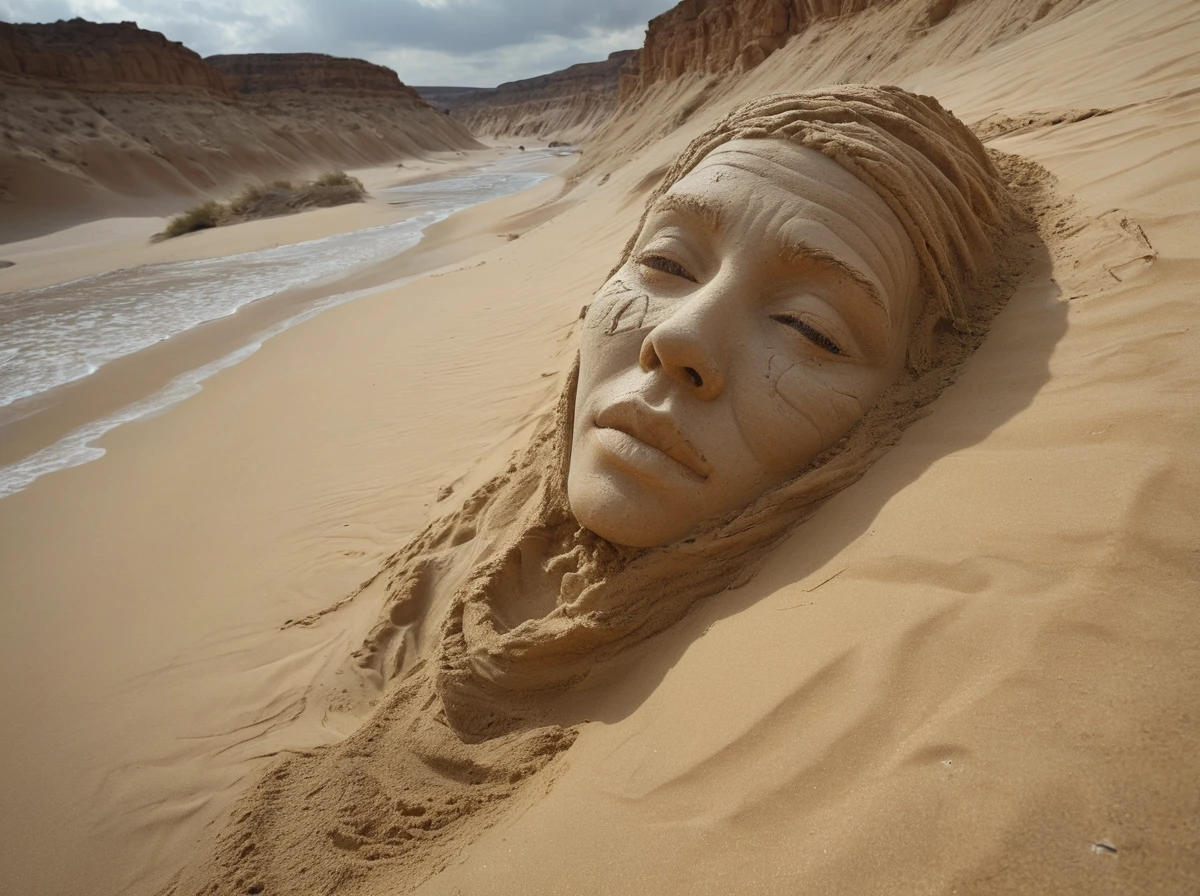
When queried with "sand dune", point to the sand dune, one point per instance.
{"points": [[973, 671]]}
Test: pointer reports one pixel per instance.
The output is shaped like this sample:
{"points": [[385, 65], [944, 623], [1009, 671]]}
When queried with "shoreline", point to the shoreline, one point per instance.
{"points": [[88, 248], [56, 429], [266, 496]]}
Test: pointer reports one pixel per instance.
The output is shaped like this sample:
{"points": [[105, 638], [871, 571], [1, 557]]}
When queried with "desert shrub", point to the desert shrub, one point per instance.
{"points": [[244, 201], [337, 179], [334, 188], [279, 198], [274, 199], [200, 217]]}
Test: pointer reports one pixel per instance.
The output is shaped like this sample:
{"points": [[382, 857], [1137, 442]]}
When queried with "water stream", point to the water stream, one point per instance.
{"points": [[55, 335]]}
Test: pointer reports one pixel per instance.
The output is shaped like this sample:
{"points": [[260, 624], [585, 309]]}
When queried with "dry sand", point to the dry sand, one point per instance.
{"points": [[974, 671]]}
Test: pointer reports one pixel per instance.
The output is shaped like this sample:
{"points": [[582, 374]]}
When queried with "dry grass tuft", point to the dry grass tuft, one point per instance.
{"points": [[200, 217], [281, 197]]}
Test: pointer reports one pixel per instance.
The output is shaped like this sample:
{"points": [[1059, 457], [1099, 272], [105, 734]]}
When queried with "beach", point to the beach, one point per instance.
{"points": [[103, 719], [973, 671]]}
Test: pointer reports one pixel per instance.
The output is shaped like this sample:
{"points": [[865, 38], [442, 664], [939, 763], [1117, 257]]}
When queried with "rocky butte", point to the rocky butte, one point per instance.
{"points": [[102, 120], [254, 73], [87, 54]]}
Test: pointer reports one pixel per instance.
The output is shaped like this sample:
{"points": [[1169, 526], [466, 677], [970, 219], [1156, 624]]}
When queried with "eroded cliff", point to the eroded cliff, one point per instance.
{"points": [[101, 120], [307, 72], [702, 54], [566, 104], [89, 54], [717, 36]]}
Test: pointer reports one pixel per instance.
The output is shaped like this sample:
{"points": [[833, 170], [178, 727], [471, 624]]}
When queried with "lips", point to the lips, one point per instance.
{"points": [[656, 430]]}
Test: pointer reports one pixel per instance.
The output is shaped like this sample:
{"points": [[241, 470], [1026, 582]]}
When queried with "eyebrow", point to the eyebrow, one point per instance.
{"points": [[791, 252], [693, 206], [798, 251]]}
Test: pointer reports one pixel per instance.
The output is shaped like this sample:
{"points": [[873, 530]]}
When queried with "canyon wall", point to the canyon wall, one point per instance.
{"points": [[88, 54], [718, 36], [565, 104], [307, 72], [104, 120], [704, 56]]}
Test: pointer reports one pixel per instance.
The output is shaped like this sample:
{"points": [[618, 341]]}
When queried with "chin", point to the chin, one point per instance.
{"points": [[620, 512]]}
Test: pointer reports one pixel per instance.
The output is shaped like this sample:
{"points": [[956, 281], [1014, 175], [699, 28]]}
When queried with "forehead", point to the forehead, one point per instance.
{"points": [[787, 167], [796, 197]]}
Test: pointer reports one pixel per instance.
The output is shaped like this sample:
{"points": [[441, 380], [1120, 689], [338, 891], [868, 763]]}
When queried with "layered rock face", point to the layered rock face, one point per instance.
{"points": [[307, 72], [101, 120], [87, 54], [716, 36], [565, 103]]}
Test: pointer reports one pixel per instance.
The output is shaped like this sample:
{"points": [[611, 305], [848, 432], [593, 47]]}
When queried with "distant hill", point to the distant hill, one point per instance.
{"points": [[566, 104]]}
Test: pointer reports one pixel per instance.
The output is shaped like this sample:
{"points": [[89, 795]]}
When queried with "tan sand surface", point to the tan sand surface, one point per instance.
{"points": [[962, 675], [975, 670], [145, 714]]}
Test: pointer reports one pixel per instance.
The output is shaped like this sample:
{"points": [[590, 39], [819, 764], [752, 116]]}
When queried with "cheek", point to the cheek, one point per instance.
{"points": [[624, 304], [617, 308], [616, 324], [793, 409], [610, 343]]}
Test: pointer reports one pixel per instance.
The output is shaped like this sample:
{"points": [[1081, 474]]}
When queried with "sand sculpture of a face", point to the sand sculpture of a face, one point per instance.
{"points": [[765, 307], [805, 280]]}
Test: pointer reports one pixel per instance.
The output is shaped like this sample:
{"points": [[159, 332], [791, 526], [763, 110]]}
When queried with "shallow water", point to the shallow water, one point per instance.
{"points": [[58, 334]]}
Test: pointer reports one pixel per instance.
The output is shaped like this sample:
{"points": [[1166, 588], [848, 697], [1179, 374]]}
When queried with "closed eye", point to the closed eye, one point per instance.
{"points": [[809, 332], [666, 266]]}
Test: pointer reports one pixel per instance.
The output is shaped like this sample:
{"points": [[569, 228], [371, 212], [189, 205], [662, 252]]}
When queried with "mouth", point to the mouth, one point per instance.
{"points": [[648, 429]]}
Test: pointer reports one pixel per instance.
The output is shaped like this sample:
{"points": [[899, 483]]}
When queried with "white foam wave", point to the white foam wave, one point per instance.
{"points": [[30, 363]]}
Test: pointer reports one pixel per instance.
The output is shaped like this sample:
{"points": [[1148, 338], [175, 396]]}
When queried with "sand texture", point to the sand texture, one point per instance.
{"points": [[972, 671]]}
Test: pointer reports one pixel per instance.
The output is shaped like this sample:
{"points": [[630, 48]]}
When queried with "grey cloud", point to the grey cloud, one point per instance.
{"points": [[470, 26], [474, 35]]}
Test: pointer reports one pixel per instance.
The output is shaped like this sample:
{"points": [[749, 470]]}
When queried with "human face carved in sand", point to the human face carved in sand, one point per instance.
{"points": [[765, 307]]}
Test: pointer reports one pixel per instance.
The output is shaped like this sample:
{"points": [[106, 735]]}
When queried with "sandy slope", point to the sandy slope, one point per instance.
{"points": [[164, 628], [980, 661], [966, 671]]}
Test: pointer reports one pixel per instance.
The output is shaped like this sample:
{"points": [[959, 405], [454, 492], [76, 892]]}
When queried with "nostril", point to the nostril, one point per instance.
{"points": [[694, 375]]}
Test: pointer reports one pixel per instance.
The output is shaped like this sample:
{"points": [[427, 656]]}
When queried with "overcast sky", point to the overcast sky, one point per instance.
{"points": [[474, 43]]}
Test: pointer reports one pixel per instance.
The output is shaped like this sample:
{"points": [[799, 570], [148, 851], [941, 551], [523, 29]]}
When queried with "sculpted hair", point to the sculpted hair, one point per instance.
{"points": [[923, 162]]}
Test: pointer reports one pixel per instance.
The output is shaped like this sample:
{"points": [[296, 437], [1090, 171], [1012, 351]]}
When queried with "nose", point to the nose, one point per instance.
{"points": [[685, 347]]}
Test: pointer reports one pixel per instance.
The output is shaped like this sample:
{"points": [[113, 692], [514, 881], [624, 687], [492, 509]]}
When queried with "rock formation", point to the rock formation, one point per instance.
{"points": [[307, 72], [111, 119], [87, 54], [716, 36], [566, 103]]}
